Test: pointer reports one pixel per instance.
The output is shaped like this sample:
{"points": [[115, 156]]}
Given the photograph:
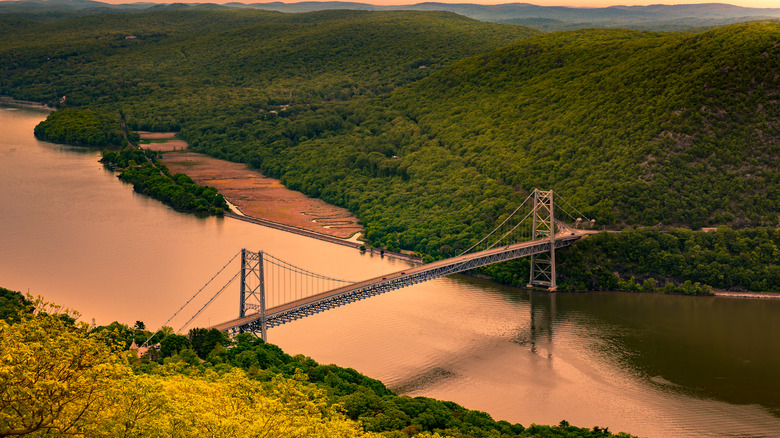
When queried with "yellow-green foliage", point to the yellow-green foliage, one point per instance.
{"points": [[57, 379], [54, 375], [220, 405]]}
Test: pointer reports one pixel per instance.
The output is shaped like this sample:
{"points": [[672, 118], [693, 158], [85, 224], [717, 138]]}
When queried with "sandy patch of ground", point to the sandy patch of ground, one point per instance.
{"points": [[162, 141], [261, 197], [146, 135]]}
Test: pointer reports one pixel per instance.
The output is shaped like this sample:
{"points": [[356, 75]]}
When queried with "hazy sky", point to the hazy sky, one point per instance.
{"points": [[583, 3], [573, 3]]}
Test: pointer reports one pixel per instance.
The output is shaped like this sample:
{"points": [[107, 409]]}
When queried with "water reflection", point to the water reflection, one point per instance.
{"points": [[668, 362], [712, 347]]}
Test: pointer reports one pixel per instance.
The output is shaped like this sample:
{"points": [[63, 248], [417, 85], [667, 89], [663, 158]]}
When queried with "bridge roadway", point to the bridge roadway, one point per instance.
{"points": [[294, 310]]}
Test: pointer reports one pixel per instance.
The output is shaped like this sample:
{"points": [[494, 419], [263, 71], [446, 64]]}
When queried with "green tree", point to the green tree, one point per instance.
{"points": [[203, 341], [173, 344], [12, 304]]}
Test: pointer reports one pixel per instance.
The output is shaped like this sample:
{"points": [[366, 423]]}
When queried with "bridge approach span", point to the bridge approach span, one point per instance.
{"points": [[294, 310]]}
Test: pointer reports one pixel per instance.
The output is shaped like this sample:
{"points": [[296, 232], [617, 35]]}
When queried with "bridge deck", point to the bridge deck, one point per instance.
{"points": [[374, 286]]}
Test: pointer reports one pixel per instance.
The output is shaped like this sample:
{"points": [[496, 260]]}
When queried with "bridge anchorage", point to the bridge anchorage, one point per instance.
{"points": [[274, 292]]}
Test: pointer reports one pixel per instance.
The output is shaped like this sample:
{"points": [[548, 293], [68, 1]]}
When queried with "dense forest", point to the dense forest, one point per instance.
{"points": [[84, 127], [175, 65], [59, 377], [639, 259], [431, 126], [635, 128], [678, 261], [143, 169]]}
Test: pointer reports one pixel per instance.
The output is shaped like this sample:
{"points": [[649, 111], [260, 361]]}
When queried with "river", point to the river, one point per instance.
{"points": [[647, 364]]}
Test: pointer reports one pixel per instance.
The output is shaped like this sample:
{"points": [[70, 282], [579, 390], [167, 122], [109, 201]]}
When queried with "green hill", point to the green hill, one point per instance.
{"points": [[636, 128], [166, 68], [644, 128], [431, 126]]}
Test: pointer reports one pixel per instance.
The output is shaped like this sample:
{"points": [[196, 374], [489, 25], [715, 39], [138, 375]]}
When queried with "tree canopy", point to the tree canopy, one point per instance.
{"points": [[431, 126], [59, 377]]}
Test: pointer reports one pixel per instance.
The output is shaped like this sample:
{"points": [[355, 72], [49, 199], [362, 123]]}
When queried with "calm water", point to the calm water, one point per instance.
{"points": [[650, 365]]}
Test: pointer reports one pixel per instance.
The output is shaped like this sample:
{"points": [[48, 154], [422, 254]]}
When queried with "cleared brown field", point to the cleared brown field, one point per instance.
{"points": [[259, 196]]}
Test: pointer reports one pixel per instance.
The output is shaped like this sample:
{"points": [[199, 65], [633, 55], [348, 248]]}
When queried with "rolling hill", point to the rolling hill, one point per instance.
{"points": [[638, 128], [174, 65], [546, 18], [431, 126]]}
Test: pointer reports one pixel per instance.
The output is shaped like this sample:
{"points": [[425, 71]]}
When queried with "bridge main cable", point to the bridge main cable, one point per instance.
{"points": [[547, 234], [193, 297], [500, 225], [288, 312]]}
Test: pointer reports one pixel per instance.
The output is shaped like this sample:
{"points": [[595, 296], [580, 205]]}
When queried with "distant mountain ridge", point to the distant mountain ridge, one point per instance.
{"points": [[546, 18]]}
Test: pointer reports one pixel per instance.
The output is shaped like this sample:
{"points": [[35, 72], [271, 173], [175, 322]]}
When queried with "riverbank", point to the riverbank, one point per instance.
{"points": [[352, 243], [4, 100], [749, 295], [261, 197]]}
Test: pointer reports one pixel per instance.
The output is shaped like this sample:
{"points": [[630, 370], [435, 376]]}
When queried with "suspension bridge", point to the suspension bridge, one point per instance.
{"points": [[274, 292]]}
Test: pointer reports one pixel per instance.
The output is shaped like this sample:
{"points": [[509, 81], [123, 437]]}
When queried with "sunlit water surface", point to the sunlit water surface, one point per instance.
{"points": [[650, 365]]}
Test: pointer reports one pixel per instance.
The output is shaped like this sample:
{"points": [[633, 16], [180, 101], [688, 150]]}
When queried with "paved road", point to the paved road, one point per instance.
{"points": [[398, 279], [314, 235]]}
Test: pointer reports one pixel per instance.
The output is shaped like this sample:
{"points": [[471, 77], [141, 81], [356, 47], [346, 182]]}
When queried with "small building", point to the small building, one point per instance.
{"points": [[144, 351]]}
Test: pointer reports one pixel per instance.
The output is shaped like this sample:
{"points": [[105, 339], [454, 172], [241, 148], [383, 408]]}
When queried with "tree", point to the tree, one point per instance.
{"points": [[11, 303], [58, 378], [53, 372], [204, 340], [173, 344]]}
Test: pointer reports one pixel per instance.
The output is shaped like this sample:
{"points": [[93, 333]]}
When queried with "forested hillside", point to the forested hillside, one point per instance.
{"points": [[634, 128], [644, 128], [170, 68], [431, 126]]}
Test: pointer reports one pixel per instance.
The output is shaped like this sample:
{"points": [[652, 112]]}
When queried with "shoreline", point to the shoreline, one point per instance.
{"points": [[716, 293], [162, 142], [259, 196], [4, 100], [748, 295]]}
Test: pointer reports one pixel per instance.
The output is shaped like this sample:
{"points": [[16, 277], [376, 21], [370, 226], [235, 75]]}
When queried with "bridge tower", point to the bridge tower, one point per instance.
{"points": [[252, 293], [543, 264]]}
